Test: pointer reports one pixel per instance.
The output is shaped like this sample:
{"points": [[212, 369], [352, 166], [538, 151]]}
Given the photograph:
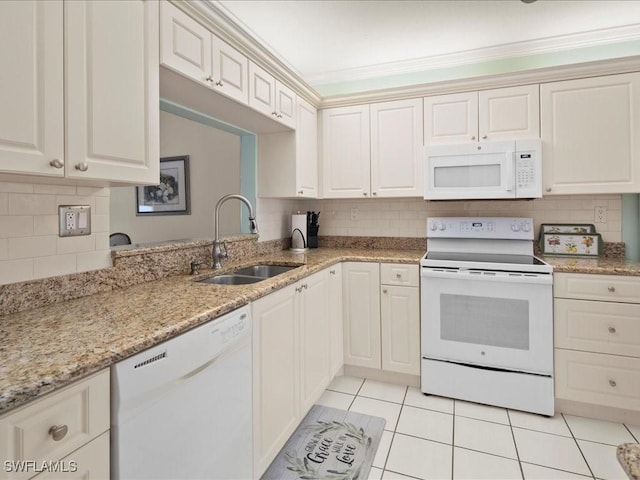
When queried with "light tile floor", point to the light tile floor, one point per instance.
{"points": [[429, 437]]}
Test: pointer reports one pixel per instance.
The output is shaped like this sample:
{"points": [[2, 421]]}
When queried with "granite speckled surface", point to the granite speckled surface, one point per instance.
{"points": [[629, 458], [49, 347], [601, 265]]}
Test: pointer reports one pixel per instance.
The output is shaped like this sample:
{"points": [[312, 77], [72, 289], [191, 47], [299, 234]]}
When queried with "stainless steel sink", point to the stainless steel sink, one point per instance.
{"points": [[231, 279], [264, 271]]}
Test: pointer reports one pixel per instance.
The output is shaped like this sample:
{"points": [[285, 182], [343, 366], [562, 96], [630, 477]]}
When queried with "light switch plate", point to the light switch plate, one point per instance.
{"points": [[74, 220]]}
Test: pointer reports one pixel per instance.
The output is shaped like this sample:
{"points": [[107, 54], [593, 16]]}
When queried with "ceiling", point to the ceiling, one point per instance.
{"points": [[332, 41]]}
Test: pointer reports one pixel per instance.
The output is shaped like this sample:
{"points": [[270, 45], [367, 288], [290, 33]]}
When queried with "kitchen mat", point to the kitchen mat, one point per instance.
{"points": [[329, 444]]}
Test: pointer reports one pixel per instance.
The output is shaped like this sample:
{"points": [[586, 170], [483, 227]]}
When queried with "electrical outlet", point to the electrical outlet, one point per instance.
{"points": [[354, 214], [601, 214], [74, 220]]}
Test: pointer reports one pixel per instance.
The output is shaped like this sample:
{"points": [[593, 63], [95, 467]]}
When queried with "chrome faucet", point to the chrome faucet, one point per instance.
{"points": [[253, 228]]}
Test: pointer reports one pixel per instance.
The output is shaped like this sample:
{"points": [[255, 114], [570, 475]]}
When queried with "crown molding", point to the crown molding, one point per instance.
{"points": [[223, 24], [543, 75], [499, 52]]}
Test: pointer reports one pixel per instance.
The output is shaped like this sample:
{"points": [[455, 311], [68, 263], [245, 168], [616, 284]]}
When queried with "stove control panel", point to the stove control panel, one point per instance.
{"points": [[513, 228]]}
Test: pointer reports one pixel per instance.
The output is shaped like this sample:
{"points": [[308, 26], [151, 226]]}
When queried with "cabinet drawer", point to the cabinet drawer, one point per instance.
{"points": [[399, 274], [611, 288], [606, 380], [90, 461], [601, 327], [82, 407]]}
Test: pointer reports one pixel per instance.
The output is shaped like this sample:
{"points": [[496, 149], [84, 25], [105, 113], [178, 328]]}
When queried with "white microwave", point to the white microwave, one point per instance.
{"points": [[491, 170]]}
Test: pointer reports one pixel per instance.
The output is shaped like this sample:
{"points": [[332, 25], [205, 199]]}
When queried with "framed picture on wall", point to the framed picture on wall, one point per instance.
{"points": [[171, 196]]}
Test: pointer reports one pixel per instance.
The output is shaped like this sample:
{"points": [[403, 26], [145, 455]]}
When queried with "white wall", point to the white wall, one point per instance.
{"points": [[30, 247], [407, 217], [214, 164]]}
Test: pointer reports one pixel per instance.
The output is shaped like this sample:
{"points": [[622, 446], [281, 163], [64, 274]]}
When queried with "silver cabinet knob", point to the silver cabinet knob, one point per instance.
{"points": [[612, 329], [612, 383], [56, 163], [279, 115], [275, 114], [374, 193], [364, 193], [611, 288], [547, 189], [484, 137], [300, 192], [83, 167], [219, 83], [332, 272], [384, 291], [398, 275], [473, 138], [209, 79], [58, 432]]}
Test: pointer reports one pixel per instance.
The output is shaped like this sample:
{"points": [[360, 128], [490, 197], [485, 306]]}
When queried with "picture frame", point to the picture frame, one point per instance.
{"points": [[568, 244], [171, 196]]}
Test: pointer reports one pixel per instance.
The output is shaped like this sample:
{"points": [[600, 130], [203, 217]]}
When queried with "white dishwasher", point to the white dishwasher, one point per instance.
{"points": [[183, 409]]}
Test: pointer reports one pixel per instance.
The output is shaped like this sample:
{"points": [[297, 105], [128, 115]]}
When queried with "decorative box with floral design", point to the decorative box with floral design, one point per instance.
{"points": [[587, 244]]}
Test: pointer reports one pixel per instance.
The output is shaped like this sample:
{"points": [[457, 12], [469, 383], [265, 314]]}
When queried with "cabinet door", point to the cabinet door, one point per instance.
{"points": [[262, 90], [285, 106], [91, 461], [400, 321], [346, 158], [509, 113], [185, 45], [112, 91], [396, 149], [361, 302], [315, 335], [230, 70], [451, 118], [335, 314], [306, 150], [275, 374], [31, 55], [591, 135]]}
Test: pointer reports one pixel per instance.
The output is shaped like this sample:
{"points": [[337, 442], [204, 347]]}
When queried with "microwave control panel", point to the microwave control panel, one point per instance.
{"points": [[528, 169]]}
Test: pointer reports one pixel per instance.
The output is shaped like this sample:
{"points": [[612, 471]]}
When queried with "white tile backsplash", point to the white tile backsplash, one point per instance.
{"points": [[30, 247], [407, 217]]}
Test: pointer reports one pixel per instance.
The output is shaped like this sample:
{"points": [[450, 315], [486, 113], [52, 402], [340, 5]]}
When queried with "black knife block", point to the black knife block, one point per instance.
{"points": [[312, 236]]}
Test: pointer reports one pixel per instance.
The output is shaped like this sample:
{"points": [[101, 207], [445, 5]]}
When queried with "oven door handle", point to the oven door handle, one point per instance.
{"points": [[483, 276]]}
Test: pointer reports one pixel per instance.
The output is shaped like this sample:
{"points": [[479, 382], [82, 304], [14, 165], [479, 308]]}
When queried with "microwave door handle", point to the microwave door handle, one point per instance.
{"points": [[510, 171]]}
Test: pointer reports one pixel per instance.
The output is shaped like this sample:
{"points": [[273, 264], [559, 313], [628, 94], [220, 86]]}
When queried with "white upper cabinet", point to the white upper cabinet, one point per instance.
{"points": [[451, 118], [491, 115], [396, 149], [31, 55], [373, 150], [190, 49], [346, 157], [112, 91], [81, 101], [271, 97], [591, 135], [288, 161]]}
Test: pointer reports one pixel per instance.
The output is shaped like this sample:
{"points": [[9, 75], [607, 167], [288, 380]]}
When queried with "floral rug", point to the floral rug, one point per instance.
{"points": [[329, 444]]}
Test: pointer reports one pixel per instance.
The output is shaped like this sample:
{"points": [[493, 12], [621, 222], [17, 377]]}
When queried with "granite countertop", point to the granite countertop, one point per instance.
{"points": [[49, 347], [629, 458], [599, 265]]}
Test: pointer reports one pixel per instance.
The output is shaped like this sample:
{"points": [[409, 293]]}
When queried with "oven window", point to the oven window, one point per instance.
{"points": [[467, 176], [498, 322]]}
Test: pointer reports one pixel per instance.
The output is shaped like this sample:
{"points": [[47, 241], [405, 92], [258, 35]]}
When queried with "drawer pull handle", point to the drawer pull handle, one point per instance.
{"points": [[612, 289], [332, 272], [58, 432], [612, 383], [83, 167], [398, 275], [612, 329]]}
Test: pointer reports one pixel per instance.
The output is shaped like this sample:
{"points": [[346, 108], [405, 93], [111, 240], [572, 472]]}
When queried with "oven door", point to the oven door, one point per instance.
{"points": [[501, 320], [470, 171]]}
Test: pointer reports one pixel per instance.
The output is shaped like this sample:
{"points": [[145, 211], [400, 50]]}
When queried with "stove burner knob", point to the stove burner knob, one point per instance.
{"points": [[515, 227], [526, 227], [433, 226], [443, 226]]}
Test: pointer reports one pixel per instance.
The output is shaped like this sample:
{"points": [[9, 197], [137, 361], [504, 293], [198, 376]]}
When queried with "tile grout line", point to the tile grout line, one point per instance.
{"points": [[453, 440], [578, 445], [515, 444], [393, 434]]}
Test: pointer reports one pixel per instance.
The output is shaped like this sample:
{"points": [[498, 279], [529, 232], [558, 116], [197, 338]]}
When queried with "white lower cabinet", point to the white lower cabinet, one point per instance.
{"points": [[291, 361], [67, 430], [382, 316], [597, 340]]}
